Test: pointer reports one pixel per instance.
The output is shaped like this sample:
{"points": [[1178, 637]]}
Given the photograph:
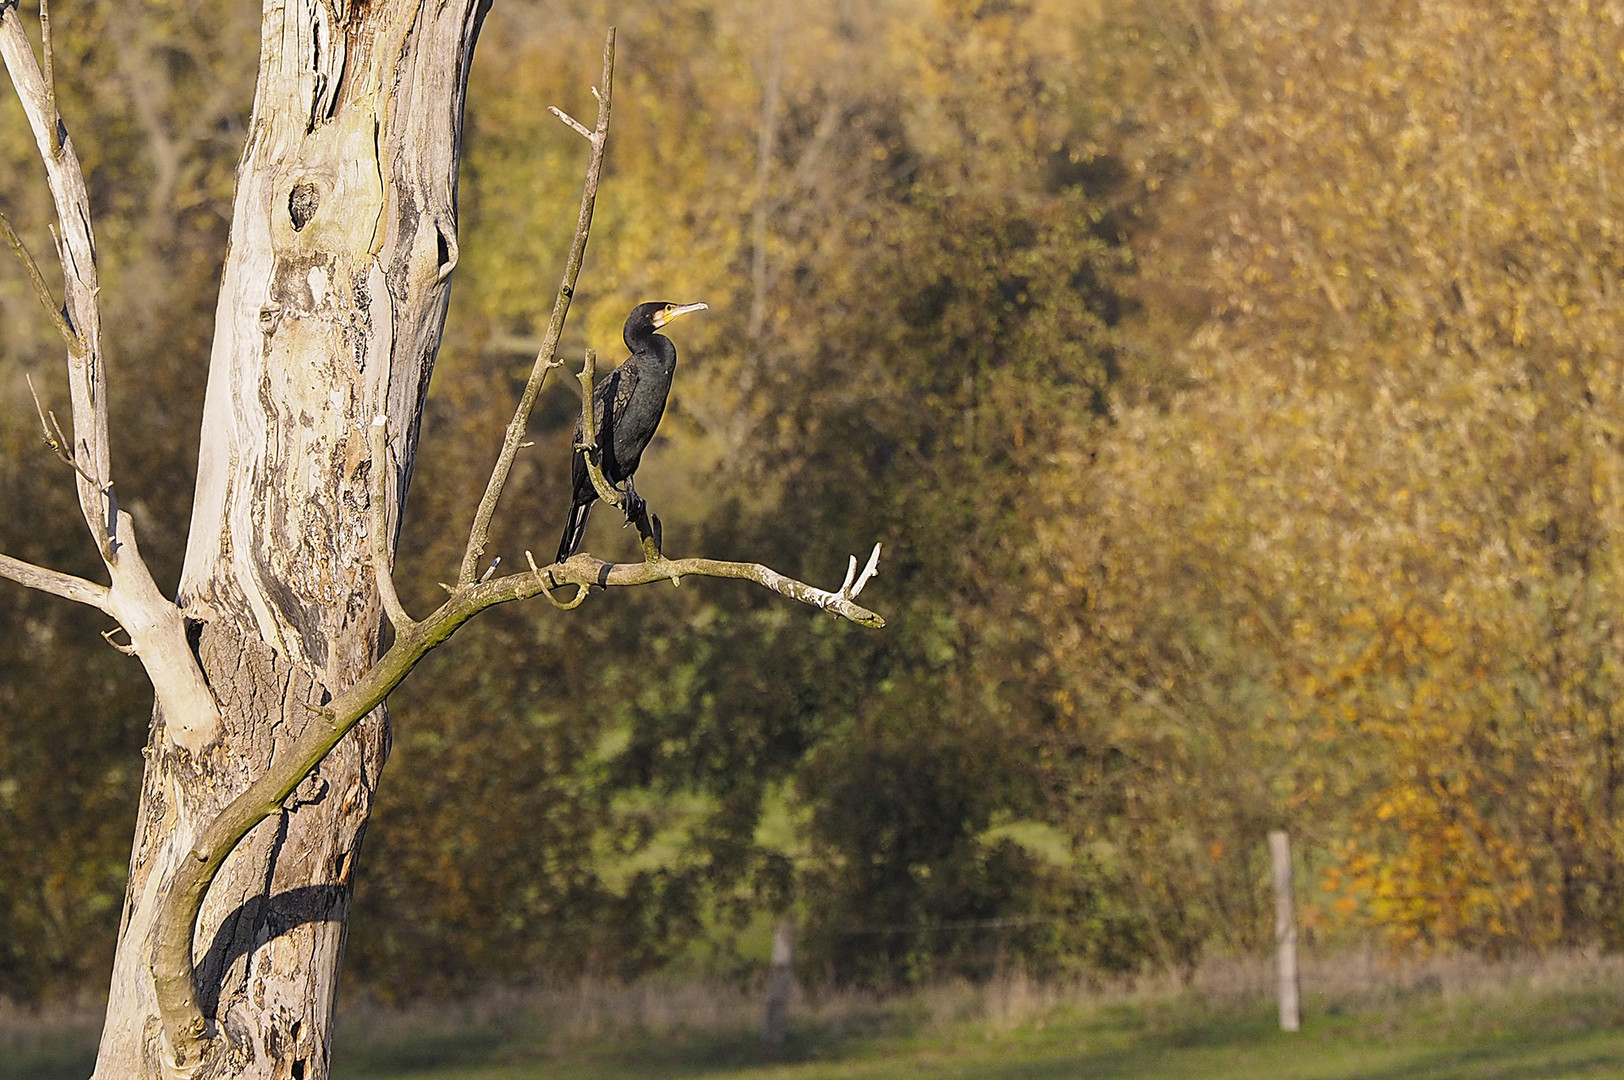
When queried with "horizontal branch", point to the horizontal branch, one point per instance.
{"points": [[55, 582], [586, 570]]}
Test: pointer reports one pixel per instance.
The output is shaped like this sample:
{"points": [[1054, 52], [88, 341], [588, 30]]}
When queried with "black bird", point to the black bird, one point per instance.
{"points": [[626, 406]]}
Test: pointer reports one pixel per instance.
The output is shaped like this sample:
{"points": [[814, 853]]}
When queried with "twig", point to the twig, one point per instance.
{"points": [[51, 431], [562, 605], [571, 121], [546, 358], [378, 527], [74, 343], [127, 650], [51, 114], [588, 447], [849, 590]]}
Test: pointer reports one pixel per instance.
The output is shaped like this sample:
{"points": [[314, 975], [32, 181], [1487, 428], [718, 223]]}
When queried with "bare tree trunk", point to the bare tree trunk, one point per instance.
{"points": [[331, 305]]}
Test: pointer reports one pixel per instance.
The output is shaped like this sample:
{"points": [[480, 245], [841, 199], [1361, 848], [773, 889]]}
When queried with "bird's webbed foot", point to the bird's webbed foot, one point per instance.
{"points": [[648, 524], [636, 507]]}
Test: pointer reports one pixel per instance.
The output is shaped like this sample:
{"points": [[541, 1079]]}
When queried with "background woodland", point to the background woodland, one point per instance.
{"points": [[1236, 386]]}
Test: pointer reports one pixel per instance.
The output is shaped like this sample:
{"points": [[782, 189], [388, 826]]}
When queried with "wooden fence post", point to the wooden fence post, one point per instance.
{"points": [[1285, 929], [780, 982]]}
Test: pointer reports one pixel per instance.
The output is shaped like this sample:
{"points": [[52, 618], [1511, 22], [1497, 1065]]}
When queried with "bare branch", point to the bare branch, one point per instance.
{"points": [[41, 289], [55, 582], [378, 527], [157, 632], [589, 435], [585, 569], [50, 77], [61, 446], [546, 358], [87, 383], [562, 605], [869, 571], [127, 650], [571, 121]]}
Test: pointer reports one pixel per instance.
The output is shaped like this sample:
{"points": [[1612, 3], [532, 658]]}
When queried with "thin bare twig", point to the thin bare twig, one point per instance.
{"points": [[378, 527], [76, 250], [74, 343], [571, 121], [561, 605], [848, 589], [60, 444], [51, 114], [588, 446], [127, 650], [546, 357]]}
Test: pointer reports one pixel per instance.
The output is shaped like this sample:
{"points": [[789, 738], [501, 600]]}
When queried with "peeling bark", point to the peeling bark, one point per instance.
{"points": [[331, 305]]}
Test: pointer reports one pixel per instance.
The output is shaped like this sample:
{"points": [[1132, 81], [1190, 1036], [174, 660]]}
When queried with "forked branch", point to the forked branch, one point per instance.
{"points": [[157, 633]]}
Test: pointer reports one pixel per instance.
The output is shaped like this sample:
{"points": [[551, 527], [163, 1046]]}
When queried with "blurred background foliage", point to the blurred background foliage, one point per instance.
{"points": [[1234, 385]]}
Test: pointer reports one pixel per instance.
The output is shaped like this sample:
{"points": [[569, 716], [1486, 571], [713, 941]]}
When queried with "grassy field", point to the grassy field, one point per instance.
{"points": [[1553, 1019]]}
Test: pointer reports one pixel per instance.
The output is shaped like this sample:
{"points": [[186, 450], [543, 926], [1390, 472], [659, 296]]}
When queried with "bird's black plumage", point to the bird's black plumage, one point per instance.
{"points": [[626, 407]]}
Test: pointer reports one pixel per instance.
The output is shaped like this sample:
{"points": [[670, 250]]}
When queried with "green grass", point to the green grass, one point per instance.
{"points": [[1241, 1048], [1460, 1020], [1491, 1024]]}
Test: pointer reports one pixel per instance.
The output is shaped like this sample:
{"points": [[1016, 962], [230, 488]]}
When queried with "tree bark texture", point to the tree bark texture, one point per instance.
{"points": [[332, 301]]}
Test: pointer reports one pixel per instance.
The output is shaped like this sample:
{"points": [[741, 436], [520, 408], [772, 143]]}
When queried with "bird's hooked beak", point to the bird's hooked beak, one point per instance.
{"points": [[672, 311]]}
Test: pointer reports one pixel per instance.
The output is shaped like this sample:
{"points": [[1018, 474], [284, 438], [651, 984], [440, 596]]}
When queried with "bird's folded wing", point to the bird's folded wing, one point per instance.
{"points": [[625, 381]]}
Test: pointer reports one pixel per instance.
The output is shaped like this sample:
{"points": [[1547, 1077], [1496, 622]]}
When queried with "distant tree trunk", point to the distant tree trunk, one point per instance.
{"points": [[780, 984], [1285, 929], [331, 305]]}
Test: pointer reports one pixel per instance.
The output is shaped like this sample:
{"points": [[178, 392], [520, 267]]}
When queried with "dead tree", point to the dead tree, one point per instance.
{"points": [[269, 728]]}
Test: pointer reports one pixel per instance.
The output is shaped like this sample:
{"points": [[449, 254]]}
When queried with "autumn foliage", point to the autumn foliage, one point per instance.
{"points": [[1236, 387]]}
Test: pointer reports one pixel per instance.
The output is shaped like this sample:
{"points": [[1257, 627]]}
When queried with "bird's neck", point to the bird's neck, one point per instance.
{"points": [[655, 351]]}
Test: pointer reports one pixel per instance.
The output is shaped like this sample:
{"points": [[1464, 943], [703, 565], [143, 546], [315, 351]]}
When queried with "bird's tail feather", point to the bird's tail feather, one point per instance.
{"points": [[574, 530]]}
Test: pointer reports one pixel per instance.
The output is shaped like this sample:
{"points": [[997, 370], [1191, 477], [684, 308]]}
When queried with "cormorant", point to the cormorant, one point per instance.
{"points": [[626, 406]]}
